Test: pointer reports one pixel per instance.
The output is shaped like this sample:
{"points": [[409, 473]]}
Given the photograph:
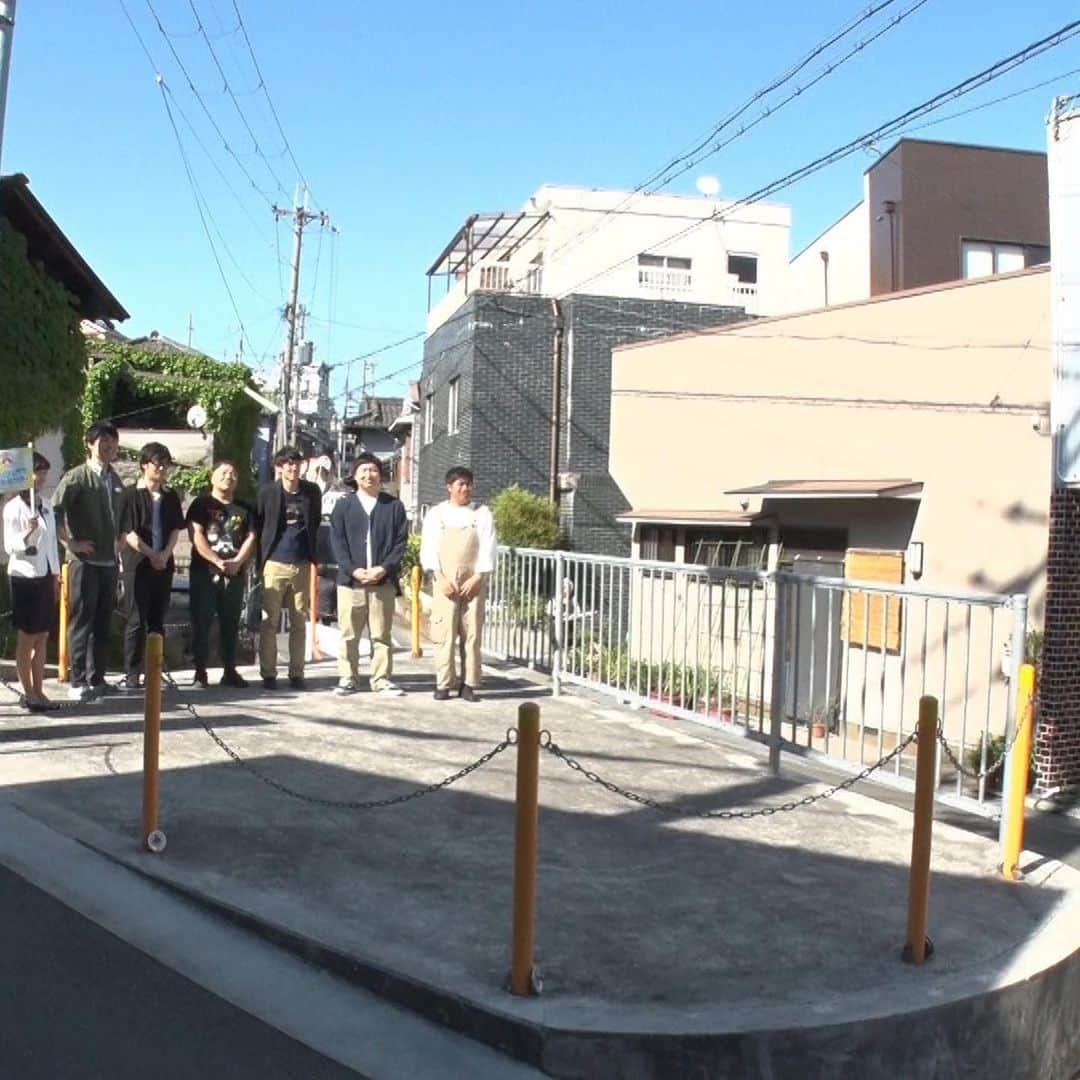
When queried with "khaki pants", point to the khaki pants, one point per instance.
{"points": [[371, 608], [284, 585], [451, 619]]}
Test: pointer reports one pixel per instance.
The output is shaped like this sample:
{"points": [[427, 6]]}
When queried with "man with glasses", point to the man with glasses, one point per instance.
{"points": [[287, 517], [151, 520], [87, 503]]}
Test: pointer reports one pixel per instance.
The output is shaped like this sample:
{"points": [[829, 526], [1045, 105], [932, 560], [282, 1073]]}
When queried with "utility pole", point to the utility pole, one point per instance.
{"points": [[190, 329], [301, 217], [7, 36]]}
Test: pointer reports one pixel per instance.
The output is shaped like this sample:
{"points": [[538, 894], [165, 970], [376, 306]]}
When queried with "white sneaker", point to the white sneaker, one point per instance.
{"points": [[80, 693], [346, 686], [389, 689]]}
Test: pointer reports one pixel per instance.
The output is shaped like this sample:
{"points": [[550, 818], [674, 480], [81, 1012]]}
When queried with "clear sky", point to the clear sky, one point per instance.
{"points": [[405, 118]]}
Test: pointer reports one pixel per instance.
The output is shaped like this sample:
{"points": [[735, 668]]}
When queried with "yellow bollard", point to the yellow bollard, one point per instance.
{"points": [[522, 975], [918, 946], [1018, 765], [62, 670], [313, 612], [152, 837], [416, 580]]}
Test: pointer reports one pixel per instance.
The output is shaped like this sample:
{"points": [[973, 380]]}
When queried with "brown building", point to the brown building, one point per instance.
{"points": [[931, 212]]}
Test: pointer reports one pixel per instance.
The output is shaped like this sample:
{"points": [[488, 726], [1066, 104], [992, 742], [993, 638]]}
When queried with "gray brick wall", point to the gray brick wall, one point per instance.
{"points": [[500, 348]]}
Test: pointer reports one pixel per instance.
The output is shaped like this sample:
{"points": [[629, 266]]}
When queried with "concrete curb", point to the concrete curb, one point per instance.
{"points": [[1022, 1030]]}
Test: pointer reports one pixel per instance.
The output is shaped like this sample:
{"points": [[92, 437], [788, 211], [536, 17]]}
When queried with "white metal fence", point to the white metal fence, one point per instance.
{"points": [[810, 662]]}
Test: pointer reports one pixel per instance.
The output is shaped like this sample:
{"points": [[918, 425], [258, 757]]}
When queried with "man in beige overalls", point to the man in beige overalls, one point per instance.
{"points": [[458, 546]]}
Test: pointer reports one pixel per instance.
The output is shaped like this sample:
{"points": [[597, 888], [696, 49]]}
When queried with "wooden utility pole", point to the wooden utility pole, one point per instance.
{"points": [[301, 218]]}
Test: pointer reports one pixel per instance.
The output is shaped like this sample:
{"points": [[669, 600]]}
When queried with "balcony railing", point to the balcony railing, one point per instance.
{"points": [[505, 278], [662, 277]]}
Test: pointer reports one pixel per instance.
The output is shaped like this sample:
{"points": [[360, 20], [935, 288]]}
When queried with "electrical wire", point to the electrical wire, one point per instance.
{"points": [[206, 110], [232, 97], [203, 211], [885, 130], [705, 147], [269, 101]]}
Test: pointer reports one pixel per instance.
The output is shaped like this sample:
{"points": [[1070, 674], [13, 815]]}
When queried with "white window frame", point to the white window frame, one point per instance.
{"points": [[996, 252], [664, 272], [452, 405], [429, 419]]}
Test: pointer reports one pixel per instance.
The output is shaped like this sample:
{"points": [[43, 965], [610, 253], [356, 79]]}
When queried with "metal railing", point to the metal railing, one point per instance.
{"points": [[813, 663]]}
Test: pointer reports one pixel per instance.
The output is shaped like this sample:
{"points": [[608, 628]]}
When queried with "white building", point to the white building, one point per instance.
{"points": [[617, 243]]}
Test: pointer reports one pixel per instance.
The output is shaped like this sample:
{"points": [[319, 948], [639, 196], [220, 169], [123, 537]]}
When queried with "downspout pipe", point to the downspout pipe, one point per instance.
{"points": [[556, 400]]}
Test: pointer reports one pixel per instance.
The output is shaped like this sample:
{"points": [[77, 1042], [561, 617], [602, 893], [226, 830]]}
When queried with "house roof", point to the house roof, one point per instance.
{"points": [[376, 412], [483, 235], [832, 489], [48, 246], [733, 518]]}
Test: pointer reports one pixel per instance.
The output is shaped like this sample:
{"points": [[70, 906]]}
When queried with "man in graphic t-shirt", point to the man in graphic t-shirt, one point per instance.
{"points": [[287, 519], [222, 540]]}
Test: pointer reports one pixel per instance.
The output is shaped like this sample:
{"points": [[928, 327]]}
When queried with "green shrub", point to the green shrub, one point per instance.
{"points": [[523, 519]]}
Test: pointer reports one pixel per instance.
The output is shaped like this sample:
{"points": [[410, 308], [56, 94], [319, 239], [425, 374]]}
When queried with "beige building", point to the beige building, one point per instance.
{"points": [[902, 439]]}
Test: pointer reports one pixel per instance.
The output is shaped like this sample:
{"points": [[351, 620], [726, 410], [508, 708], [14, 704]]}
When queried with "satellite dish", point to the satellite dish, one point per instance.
{"points": [[709, 186], [196, 417]]}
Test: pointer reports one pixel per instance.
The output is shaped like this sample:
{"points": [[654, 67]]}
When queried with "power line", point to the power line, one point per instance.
{"points": [[890, 127], [202, 214], [705, 147], [199, 98], [269, 101], [232, 96], [996, 101]]}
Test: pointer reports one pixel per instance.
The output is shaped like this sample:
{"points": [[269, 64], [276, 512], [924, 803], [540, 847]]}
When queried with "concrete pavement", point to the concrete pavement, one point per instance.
{"points": [[668, 946]]}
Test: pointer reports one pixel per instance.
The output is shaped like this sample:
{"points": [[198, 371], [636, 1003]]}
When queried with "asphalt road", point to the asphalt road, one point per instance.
{"points": [[77, 1002]]}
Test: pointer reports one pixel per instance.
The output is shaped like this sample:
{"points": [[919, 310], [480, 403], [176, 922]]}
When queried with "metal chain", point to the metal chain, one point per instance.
{"points": [[340, 804], [983, 773], [555, 750]]}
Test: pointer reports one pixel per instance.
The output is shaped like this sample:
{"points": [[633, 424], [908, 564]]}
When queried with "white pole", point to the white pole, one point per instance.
{"points": [[7, 35]]}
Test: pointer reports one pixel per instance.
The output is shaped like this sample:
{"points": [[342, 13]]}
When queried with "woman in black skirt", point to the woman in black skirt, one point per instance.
{"points": [[34, 573]]}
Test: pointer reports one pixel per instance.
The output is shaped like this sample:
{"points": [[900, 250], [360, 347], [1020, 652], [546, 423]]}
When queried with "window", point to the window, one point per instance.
{"points": [[873, 619], [664, 272], [452, 407], [657, 543], [743, 268], [429, 418], [742, 549], [980, 258]]}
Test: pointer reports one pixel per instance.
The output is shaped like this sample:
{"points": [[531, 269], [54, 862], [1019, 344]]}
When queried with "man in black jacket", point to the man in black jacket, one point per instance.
{"points": [[151, 520], [368, 532], [287, 519]]}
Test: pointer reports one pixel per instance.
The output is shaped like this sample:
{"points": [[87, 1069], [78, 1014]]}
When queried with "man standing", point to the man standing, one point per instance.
{"points": [[287, 519], [458, 546], [222, 540], [87, 503], [151, 519], [368, 532]]}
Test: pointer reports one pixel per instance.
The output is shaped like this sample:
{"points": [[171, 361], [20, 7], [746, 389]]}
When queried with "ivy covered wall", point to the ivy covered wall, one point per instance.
{"points": [[42, 352], [137, 388]]}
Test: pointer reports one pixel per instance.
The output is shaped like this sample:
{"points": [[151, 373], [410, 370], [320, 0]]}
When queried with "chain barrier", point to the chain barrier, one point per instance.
{"points": [[990, 770], [548, 744], [338, 804]]}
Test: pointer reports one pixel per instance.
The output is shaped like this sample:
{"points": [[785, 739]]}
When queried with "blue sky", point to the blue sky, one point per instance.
{"points": [[406, 118]]}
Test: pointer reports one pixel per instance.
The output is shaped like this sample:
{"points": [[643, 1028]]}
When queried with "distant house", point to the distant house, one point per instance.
{"points": [[517, 365], [369, 431], [931, 212], [403, 470]]}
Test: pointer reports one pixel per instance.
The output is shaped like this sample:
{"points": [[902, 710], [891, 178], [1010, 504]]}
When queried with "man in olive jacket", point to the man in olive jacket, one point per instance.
{"points": [[87, 504]]}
